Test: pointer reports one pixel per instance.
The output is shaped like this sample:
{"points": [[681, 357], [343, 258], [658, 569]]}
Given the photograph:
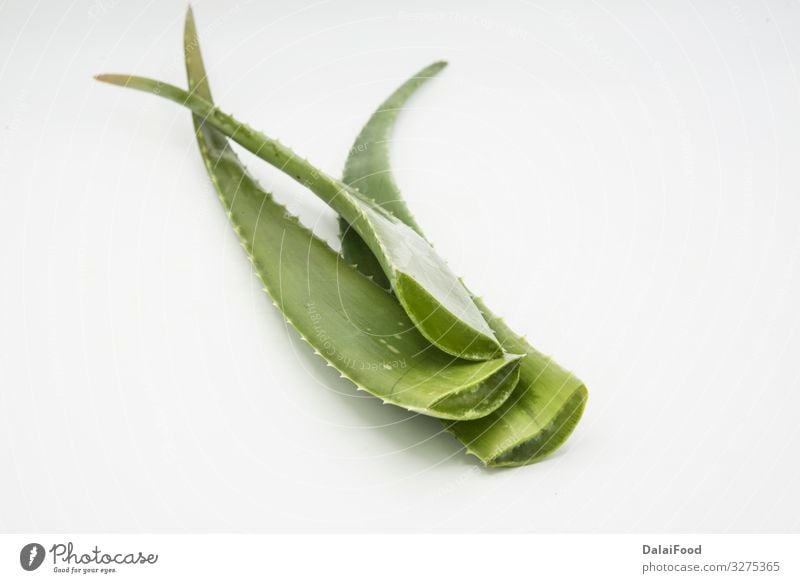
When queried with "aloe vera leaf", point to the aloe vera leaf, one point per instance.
{"points": [[549, 400], [358, 327], [358, 172], [433, 297]]}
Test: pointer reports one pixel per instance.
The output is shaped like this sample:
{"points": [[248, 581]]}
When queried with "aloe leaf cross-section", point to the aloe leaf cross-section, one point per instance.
{"points": [[549, 400]]}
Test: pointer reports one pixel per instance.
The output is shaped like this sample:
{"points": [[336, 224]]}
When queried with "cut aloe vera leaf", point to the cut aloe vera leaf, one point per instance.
{"points": [[537, 419], [358, 172], [358, 327], [549, 400], [432, 296]]}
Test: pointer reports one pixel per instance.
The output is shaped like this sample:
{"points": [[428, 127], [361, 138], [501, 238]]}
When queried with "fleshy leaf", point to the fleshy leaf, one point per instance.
{"points": [[432, 296], [549, 400], [358, 327], [359, 172]]}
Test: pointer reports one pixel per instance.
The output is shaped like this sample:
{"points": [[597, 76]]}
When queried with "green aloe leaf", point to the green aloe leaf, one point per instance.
{"points": [[549, 400], [358, 327], [359, 172], [432, 296]]}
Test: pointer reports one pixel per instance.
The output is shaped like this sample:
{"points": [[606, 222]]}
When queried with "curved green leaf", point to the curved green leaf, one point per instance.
{"points": [[358, 327], [432, 296], [360, 172], [549, 400]]}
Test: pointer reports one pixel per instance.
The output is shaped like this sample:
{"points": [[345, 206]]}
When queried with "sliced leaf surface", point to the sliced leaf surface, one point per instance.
{"points": [[432, 296], [549, 400], [358, 327]]}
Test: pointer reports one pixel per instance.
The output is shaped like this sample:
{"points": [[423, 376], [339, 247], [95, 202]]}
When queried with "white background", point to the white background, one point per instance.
{"points": [[620, 181]]}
